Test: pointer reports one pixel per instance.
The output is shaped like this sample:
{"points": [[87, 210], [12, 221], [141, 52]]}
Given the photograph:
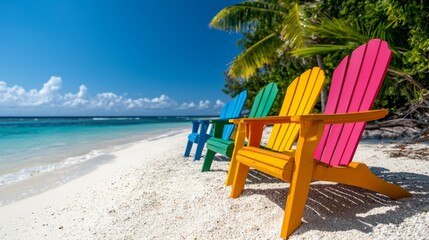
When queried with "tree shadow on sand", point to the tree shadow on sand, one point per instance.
{"points": [[337, 207]]}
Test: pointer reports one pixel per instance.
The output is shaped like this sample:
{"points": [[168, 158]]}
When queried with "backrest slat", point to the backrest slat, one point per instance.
{"points": [[224, 111], [270, 100], [267, 100], [234, 111], [256, 103]]}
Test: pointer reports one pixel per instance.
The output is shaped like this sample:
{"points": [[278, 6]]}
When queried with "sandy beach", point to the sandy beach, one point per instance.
{"points": [[148, 190]]}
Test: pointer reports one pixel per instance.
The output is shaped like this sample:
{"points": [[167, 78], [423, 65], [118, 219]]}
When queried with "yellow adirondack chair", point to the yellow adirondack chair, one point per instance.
{"points": [[300, 98], [326, 143]]}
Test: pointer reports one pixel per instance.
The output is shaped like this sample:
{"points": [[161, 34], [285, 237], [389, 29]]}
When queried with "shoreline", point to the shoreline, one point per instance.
{"points": [[39, 146], [150, 191], [61, 172]]}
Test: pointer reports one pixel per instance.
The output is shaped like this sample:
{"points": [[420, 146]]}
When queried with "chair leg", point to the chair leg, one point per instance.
{"points": [[302, 173], [199, 150], [232, 170], [239, 180], [239, 143], [295, 204], [208, 160], [188, 148], [359, 175]]}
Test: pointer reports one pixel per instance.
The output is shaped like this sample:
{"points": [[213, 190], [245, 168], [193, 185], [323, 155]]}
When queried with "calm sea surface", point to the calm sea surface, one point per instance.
{"points": [[30, 146]]}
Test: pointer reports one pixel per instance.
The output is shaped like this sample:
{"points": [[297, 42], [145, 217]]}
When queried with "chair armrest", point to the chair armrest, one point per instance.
{"points": [[220, 121], [218, 126], [199, 121], [366, 116], [264, 120], [254, 126], [197, 124]]}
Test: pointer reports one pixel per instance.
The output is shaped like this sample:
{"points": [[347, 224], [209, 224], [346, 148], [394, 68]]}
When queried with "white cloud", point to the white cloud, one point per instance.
{"points": [[18, 96], [187, 105], [219, 104], [78, 99], [52, 87], [50, 96], [204, 104]]}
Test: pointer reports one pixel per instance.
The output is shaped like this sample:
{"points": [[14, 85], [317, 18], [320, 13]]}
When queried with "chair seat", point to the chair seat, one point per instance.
{"points": [[277, 164], [193, 137], [224, 147]]}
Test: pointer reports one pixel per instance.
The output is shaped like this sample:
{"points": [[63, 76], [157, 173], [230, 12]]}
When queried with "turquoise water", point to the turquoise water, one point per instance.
{"points": [[29, 146]]}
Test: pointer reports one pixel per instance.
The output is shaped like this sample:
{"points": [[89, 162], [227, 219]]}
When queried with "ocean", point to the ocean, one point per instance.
{"points": [[34, 146]]}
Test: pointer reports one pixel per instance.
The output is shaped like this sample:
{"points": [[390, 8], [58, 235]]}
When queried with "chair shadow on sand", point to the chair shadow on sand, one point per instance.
{"points": [[219, 158], [336, 207]]}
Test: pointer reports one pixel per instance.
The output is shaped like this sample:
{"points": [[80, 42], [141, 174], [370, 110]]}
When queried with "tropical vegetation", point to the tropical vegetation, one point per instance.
{"points": [[282, 38]]}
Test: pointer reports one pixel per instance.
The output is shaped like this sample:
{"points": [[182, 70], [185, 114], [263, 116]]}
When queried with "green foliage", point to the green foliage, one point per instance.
{"points": [[260, 53], [248, 16], [292, 27], [281, 38], [403, 24]]}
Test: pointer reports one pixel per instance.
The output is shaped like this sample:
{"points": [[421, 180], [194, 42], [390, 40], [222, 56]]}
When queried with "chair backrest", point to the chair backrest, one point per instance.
{"points": [[355, 84], [301, 96], [263, 101], [233, 110]]}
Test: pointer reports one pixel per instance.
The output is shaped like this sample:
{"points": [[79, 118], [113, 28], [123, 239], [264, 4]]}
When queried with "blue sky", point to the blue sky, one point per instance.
{"points": [[130, 57]]}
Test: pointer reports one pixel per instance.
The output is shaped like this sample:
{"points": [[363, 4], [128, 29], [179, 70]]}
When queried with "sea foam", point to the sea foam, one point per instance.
{"points": [[26, 173]]}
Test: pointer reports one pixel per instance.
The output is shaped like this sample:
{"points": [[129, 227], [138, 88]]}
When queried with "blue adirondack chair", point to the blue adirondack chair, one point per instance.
{"points": [[200, 128]]}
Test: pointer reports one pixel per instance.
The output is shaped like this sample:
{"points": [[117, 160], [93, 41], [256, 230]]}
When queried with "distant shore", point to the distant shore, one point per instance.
{"points": [[148, 190]]}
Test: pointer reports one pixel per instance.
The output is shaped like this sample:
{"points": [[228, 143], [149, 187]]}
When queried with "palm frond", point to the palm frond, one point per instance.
{"points": [[253, 58], [321, 49], [246, 16], [293, 29], [340, 30]]}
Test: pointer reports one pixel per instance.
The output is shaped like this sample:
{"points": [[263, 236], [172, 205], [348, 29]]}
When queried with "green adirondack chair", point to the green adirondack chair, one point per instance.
{"points": [[261, 108]]}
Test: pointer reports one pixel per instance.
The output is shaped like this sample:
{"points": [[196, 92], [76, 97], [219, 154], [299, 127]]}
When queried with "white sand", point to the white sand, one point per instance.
{"points": [[149, 191]]}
